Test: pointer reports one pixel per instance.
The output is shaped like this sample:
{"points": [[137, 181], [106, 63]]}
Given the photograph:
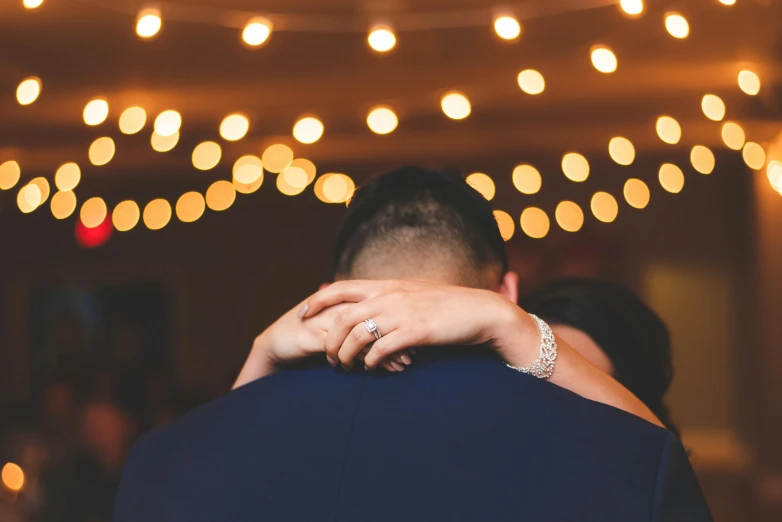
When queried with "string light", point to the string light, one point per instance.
{"points": [[713, 107], [535, 222], [190, 207], [455, 105], [318, 189], [44, 188], [67, 176], [248, 169], [621, 150], [338, 188], [507, 27], [754, 155], [774, 173], [531, 81], [93, 212], [505, 224], [669, 130], [292, 181], [727, 2], [307, 166], [32, 4], [168, 123], [28, 90], [636, 193], [632, 7], [234, 127], [28, 198], [526, 179], [101, 151], [381, 39], [604, 207], [483, 184], [63, 204], [308, 130], [126, 215], [132, 120], [220, 195], [96, 112], [148, 23], [9, 174], [702, 159], [733, 135], [164, 143], [206, 155], [245, 188], [157, 214], [277, 158], [671, 178], [677, 25], [603, 59], [382, 120], [749, 82], [575, 166], [257, 31], [12, 475], [569, 216]]}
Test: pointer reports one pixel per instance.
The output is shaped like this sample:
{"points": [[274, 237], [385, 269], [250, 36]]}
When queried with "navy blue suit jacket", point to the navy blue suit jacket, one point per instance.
{"points": [[457, 439]]}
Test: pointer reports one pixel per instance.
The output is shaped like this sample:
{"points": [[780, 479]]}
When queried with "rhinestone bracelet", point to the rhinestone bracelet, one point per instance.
{"points": [[543, 366]]}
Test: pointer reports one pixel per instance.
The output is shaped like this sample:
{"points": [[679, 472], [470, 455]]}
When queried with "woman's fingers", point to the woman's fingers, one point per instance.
{"points": [[384, 348], [351, 317], [343, 291], [359, 339]]}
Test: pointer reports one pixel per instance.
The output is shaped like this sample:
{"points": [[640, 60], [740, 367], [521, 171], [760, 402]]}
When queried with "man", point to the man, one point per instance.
{"points": [[458, 437]]}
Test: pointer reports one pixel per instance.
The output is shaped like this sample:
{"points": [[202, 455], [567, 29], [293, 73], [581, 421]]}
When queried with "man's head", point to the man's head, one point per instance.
{"points": [[414, 223]]}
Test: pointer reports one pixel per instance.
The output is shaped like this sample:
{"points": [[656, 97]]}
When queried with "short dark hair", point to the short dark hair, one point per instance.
{"points": [[438, 205]]}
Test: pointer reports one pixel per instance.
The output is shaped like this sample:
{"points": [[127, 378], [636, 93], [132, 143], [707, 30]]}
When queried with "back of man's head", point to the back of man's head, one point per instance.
{"points": [[419, 223]]}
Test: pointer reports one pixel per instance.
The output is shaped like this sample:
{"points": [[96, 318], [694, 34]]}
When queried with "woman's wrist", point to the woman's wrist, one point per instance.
{"points": [[515, 334]]}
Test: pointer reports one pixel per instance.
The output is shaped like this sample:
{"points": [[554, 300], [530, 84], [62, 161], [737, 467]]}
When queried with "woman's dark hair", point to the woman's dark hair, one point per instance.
{"points": [[622, 325]]}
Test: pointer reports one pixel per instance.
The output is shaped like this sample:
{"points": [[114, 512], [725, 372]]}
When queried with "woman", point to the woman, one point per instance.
{"points": [[422, 313]]}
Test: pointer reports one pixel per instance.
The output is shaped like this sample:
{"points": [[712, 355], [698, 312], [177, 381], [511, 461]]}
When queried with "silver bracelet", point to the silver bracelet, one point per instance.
{"points": [[543, 366]]}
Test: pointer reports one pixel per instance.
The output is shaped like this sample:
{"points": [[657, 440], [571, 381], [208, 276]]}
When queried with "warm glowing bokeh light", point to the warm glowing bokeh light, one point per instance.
{"points": [[483, 184], [676, 25], [507, 27], [63, 204], [382, 120], [733, 135], [307, 166], [126, 215], [749, 82], [603, 59], [44, 188], [157, 214], [774, 173], [96, 112], [727, 2], [220, 195], [526, 179], [247, 188], [12, 475], [164, 143], [28, 91], [754, 155], [671, 178], [248, 169], [604, 207], [234, 127], [575, 166], [277, 158], [67, 177], [308, 130], [28, 198], [531, 81], [101, 151], [292, 181], [621, 150], [32, 4], [168, 123], [190, 207], [713, 107], [148, 23], [535, 222], [381, 39], [669, 130], [93, 212], [505, 223], [632, 7], [206, 155], [257, 31], [455, 105], [636, 193], [702, 159], [10, 172], [569, 216], [132, 120], [338, 188]]}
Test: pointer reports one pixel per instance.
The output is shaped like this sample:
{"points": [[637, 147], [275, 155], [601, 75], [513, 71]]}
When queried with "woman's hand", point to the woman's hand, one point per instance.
{"points": [[418, 313]]}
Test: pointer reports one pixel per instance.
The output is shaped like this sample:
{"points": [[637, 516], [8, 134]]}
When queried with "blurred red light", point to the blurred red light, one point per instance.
{"points": [[93, 237]]}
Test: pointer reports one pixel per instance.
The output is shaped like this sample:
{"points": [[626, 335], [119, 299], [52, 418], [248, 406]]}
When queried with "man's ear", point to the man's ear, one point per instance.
{"points": [[323, 285], [509, 286]]}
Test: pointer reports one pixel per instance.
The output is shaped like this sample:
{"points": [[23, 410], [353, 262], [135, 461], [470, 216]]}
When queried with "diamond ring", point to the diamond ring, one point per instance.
{"points": [[371, 327]]}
